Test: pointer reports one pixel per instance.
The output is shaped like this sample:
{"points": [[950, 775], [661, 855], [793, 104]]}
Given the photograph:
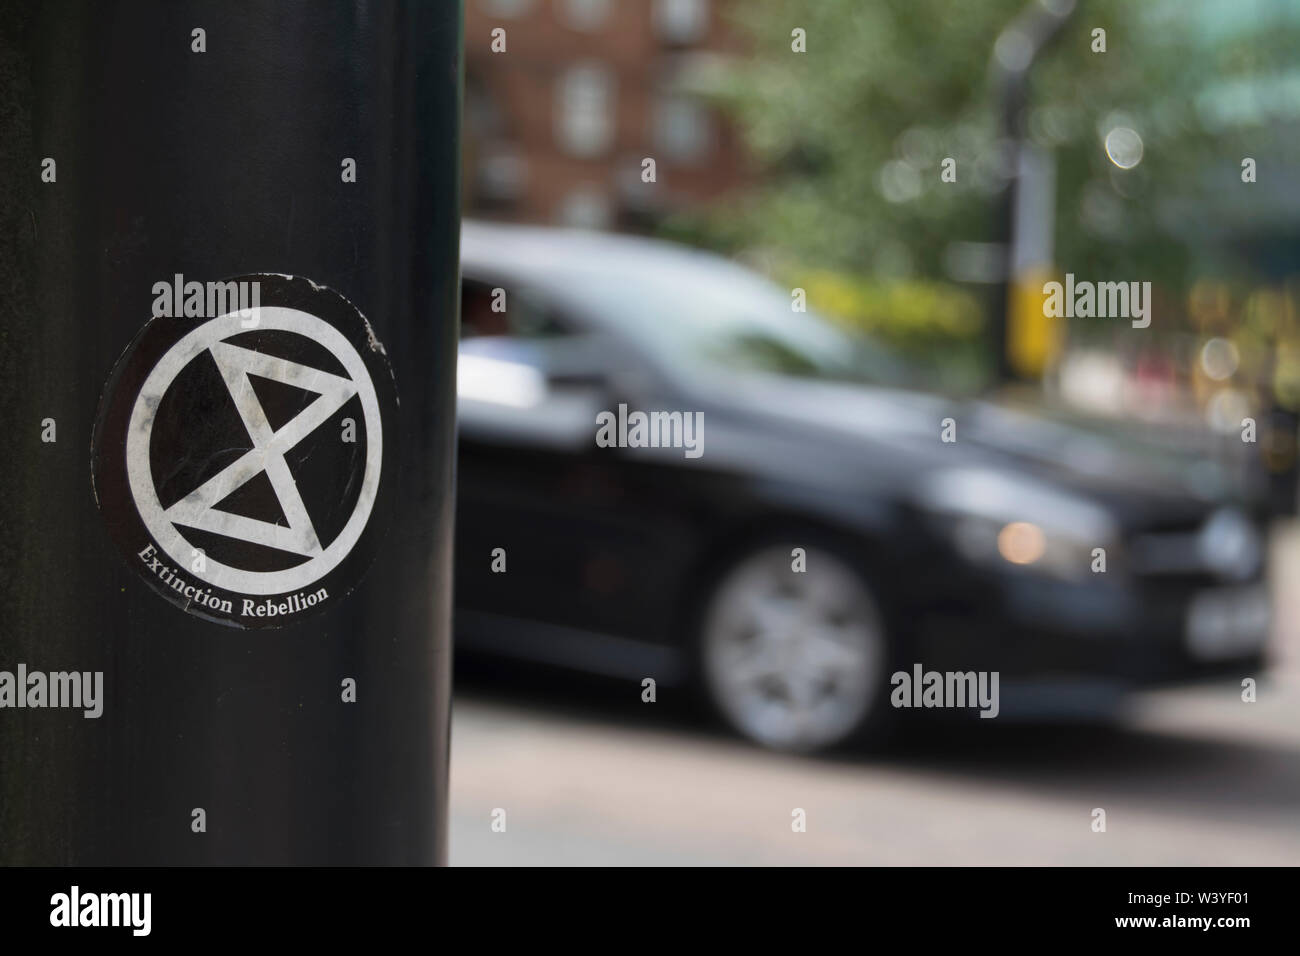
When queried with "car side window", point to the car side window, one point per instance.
{"points": [[502, 312]]}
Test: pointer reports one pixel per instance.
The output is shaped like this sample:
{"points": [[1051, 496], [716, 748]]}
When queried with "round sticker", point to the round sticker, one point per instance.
{"points": [[241, 456]]}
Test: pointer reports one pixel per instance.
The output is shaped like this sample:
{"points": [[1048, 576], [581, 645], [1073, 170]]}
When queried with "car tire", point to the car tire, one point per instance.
{"points": [[795, 660]]}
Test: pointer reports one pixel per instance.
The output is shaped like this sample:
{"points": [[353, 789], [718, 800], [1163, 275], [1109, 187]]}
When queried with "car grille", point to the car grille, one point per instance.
{"points": [[1227, 546]]}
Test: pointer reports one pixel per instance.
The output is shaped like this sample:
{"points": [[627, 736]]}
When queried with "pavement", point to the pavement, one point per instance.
{"points": [[588, 774]]}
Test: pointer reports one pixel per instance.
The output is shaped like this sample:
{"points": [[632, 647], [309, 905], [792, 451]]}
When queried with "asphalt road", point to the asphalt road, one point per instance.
{"points": [[588, 774]]}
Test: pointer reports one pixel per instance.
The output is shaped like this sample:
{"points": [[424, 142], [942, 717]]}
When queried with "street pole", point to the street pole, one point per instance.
{"points": [[1014, 53], [229, 257]]}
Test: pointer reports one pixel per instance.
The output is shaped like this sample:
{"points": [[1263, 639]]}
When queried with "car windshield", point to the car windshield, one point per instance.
{"points": [[700, 310]]}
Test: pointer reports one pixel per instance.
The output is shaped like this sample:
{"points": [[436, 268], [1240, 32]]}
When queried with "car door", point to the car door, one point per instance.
{"points": [[548, 526]]}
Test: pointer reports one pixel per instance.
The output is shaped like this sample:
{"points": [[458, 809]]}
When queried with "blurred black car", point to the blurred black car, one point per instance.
{"points": [[979, 554]]}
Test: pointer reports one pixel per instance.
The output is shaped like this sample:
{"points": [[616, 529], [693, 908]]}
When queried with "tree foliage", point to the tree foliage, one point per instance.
{"points": [[849, 136]]}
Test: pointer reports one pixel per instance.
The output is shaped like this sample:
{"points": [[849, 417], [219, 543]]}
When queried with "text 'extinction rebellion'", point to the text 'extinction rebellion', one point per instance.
{"points": [[249, 607]]}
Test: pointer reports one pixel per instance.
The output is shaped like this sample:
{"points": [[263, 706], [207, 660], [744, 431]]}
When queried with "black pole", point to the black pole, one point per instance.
{"points": [[275, 685]]}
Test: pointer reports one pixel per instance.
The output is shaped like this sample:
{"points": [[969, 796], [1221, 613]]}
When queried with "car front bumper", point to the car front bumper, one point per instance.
{"points": [[1111, 635]]}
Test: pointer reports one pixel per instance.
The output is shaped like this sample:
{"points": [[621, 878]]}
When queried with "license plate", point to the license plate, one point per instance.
{"points": [[1228, 622]]}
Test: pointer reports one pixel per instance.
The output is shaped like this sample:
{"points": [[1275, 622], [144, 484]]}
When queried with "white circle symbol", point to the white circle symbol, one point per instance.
{"points": [[267, 454]]}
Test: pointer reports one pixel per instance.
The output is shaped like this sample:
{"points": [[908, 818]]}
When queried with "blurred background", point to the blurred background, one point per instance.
{"points": [[806, 140]]}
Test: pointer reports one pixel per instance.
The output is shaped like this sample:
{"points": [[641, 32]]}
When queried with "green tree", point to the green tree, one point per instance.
{"points": [[850, 135]]}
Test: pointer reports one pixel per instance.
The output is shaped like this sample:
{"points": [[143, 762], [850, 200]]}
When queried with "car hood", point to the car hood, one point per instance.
{"points": [[1116, 464]]}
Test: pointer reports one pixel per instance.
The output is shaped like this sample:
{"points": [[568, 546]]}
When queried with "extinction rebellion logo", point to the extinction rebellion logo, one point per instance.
{"points": [[241, 460]]}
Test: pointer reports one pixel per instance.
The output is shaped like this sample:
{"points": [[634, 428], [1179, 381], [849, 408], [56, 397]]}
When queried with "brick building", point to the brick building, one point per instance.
{"points": [[557, 125]]}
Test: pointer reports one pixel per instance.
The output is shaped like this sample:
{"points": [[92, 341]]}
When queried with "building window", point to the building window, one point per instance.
{"points": [[585, 109], [506, 9], [586, 207], [683, 128], [682, 21], [586, 15], [501, 174]]}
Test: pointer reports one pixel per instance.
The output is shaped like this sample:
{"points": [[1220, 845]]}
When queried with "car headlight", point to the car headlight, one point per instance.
{"points": [[998, 519]]}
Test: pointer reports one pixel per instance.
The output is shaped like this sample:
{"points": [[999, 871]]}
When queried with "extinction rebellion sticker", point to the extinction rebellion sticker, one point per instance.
{"points": [[242, 454]]}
